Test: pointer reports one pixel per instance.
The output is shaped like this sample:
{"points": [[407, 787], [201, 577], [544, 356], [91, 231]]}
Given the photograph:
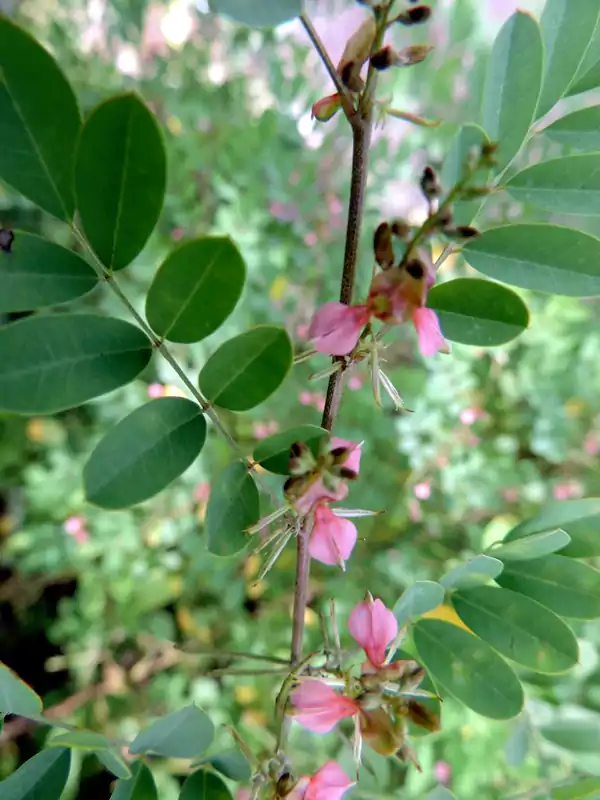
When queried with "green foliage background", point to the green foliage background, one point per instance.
{"points": [[245, 162]]}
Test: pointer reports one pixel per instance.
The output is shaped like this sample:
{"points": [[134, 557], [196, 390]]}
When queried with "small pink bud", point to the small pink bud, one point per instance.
{"points": [[302, 331], [422, 490], [468, 416], [318, 707], [443, 772], [318, 400], [326, 108], [156, 390], [332, 538], [74, 525], [354, 383], [177, 234], [335, 328], [305, 398], [311, 239], [202, 492], [373, 627]]}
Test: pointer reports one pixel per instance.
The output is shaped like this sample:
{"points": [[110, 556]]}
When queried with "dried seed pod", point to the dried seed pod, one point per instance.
{"points": [[444, 217], [462, 232], [414, 16], [356, 52], [415, 268], [401, 229], [382, 245], [413, 55], [384, 59], [430, 185]]}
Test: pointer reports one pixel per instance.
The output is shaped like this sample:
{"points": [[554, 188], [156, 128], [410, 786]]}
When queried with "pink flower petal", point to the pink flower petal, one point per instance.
{"points": [[335, 328], [319, 707], [332, 538], [373, 627], [317, 493], [428, 331], [328, 783], [353, 460]]}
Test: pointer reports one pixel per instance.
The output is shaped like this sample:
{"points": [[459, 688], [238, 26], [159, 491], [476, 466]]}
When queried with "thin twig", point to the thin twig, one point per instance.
{"points": [[347, 102]]}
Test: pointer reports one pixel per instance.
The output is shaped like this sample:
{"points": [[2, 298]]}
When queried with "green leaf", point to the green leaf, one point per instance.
{"points": [[183, 734], [512, 88], [231, 763], [574, 729], [233, 507], [264, 14], [582, 788], [530, 547], [518, 628], [140, 786], [478, 570], [545, 258], [468, 139], [579, 518], [144, 453], [113, 763], [477, 312], [517, 746], [588, 81], [80, 740], [273, 453], [52, 362], [204, 785], [440, 793], [590, 64], [567, 34], [247, 369], [36, 273], [43, 776], [468, 669], [40, 123], [567, 587], [579, 130], [569, 185], [16, 697], [421, 597], [196, 289], [120, 178]]}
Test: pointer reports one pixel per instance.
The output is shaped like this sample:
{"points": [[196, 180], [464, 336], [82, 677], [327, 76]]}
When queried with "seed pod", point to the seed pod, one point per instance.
{"points": [[422, 716], [413, 55], [444, 217], [462, 232], [414, 16], [415, 268], [384, 59], [382, 245], [356, 52], [301, 459], [430, 185], [401, 229]]}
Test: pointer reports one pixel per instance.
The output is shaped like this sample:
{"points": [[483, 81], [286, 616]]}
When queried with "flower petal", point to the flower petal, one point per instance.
{"points": [[317, 493], [373, 627], [335, 328], [328, 783], [428, 331], [353, 460], [332, 538], [318, 707]]}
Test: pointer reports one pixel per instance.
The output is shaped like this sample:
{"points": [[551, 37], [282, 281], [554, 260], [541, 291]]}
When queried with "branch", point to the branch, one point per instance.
{"points": [[347, 102]]}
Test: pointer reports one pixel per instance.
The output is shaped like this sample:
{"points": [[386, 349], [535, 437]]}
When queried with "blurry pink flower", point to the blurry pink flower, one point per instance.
{"points": [[429, 334], [75, 527], [591, 444], [422, 490], [332, 538], [319, 401], [567, 490], [311, 239], [202, 492], [354, 383], [306, 398], [243, 794], [302, 332], [295, 178], [283, 212], [156, 390], [470, 415], [414, 510], [177, 234], [443, 772], [373, 627], [335, 328], [260, 430], [334, 205], [328, 783], [510, 494], [318, 707]]}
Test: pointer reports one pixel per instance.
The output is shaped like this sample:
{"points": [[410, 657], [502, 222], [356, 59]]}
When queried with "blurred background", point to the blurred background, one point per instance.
{"points": [[91, 601]]}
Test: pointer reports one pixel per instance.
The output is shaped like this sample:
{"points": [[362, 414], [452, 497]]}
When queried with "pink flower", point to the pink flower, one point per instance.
{"points": [[332, 538], [311, 239], [354, 383], [305, 398], [260, 430], [470, 415], [317, 493], [335, 328], [202, 492], [429, 334], [302, 331], [156, 390], [319, 707], [443, 772], [328, 783], [373, 627], [422, 490], [353, 460], [75, 527]]}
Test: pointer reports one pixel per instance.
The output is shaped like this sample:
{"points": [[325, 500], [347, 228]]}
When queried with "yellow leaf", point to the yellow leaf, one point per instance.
{"points": [[446, 613]]}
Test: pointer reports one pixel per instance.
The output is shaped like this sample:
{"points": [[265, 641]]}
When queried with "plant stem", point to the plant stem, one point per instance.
{"points": [[347, 102]]}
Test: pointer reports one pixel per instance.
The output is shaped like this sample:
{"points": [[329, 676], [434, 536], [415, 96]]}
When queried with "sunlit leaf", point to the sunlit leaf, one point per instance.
{"points": [[529, 547], [579, 130], [569, 185], [233, 507], [512, 88], [231, 763], [16, 697], [579, 518], [144, 452], [478, 570], [140, 786], [476, 312], [567, 587], [519, 628], [43, 776], [273, 453], [183, 734], [574, 729], [546, 258], [247, 369], [36, 273], [567, 33], [113, 762], [52, 362], [196, 289], [468, 669], [419, 598], [40, 123], [80, 740], [263, 14], [120, 178], [579, 790]]}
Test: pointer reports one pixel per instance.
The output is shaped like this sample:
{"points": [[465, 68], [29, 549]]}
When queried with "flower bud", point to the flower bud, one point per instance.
{"points": [[301, 459], [430, 185], [285, 785], [326, 108], [462, 232], [414, 16], [444, 217], [356, 52], [382, 245], [401, 229]]}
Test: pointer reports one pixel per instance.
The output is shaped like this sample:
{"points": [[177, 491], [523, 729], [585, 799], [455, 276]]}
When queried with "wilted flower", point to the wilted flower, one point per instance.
{"points": [[373, 627], [318, 707]]}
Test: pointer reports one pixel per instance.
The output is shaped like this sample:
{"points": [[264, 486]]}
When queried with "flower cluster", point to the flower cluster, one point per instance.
{"points": [[380, 700]]}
